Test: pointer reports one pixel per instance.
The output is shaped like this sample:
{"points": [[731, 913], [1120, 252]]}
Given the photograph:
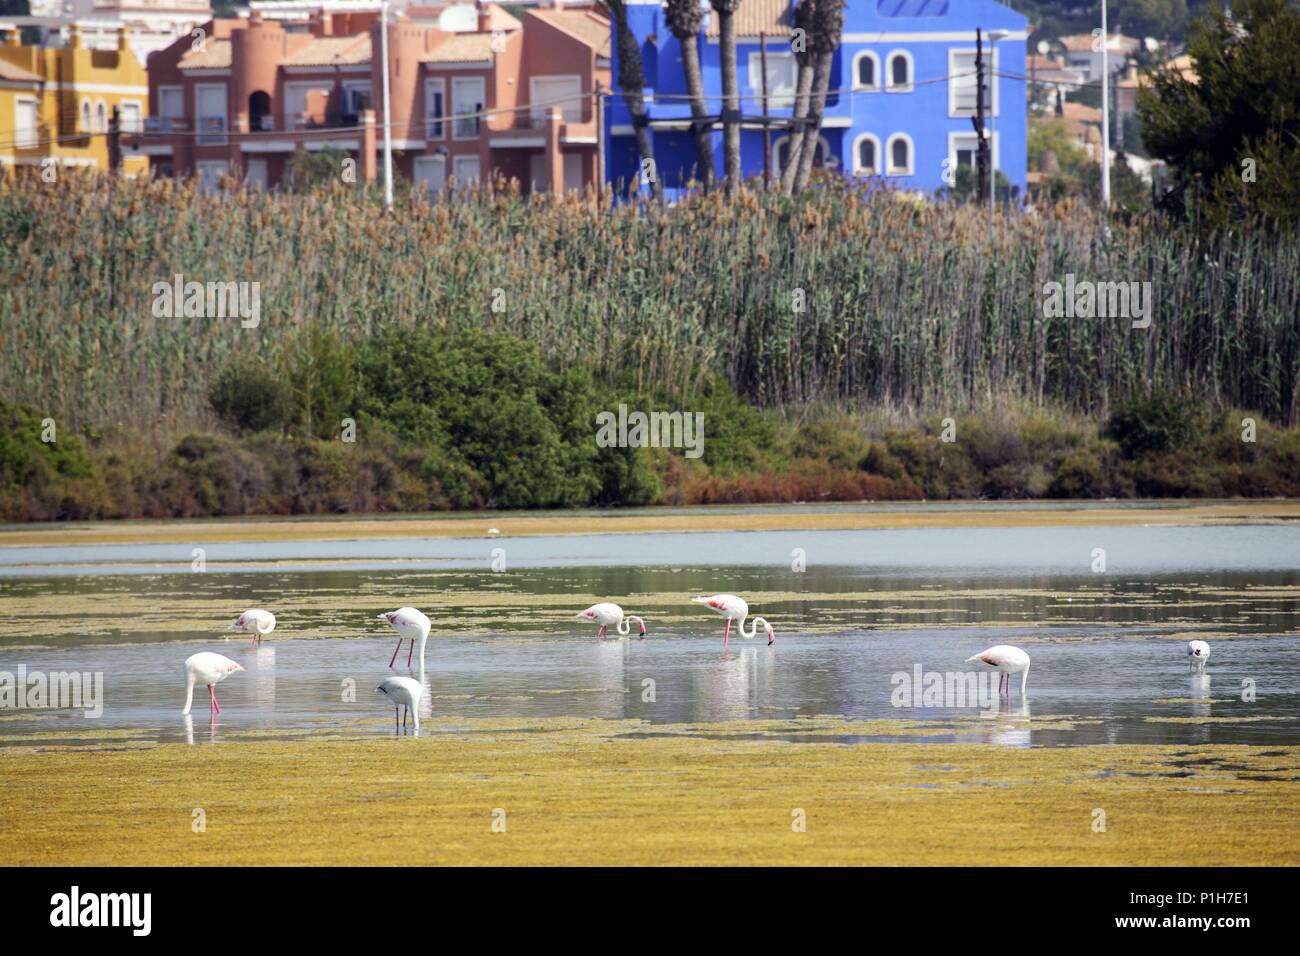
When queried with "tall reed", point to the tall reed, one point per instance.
{"points": [[904, 303]]}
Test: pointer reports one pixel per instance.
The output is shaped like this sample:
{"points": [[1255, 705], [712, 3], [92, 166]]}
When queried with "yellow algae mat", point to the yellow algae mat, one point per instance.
{"points": [[500, 791], [702, 518]]}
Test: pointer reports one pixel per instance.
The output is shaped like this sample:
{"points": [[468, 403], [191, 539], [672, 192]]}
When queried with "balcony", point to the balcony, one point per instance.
{"points": [[211, 130]]}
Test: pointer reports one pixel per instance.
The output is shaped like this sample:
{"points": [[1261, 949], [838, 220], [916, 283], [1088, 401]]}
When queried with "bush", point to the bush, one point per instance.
{"points": [[1156, 423], [250, 396]]}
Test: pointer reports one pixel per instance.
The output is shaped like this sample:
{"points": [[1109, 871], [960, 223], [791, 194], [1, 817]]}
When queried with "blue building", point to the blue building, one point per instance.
{"points": [[902, 91]]}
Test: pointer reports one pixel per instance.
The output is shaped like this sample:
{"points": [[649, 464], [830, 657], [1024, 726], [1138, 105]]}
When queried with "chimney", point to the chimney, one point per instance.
{"points": [[484, 18], [74, 37], [122, 43]]}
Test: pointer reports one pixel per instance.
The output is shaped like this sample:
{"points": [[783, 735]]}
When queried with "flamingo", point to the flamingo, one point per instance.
{"points": [[606, 614], [207, 668], [1007, 660], [734, 608], [404, 692], [409, 624], [260, 622], [1198, 652]]}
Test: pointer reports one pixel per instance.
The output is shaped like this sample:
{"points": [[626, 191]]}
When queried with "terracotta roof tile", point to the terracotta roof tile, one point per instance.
{"points": [[462, 48], [215, 55], [333, 51], [758, 16]]}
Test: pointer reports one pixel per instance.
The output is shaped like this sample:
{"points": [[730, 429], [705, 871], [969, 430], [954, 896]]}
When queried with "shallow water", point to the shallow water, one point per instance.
{"points": [[1107, 648]]}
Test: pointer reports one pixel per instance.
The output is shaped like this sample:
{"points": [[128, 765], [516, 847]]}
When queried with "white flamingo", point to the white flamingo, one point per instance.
{"points": [[734, 608], [403, 692], [207, 668], [260, 622], [1006, 660], [411, 625], [1198, 652], [607, 614]]}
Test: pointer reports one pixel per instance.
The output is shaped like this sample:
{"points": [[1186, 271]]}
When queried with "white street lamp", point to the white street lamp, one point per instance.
{"points": [[994, 37]]}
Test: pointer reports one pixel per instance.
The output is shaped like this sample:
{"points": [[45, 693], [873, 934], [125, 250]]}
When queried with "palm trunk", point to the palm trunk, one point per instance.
{"points": [[794, 146], [730, 100], [699, 112], [631, 81], [812, 130]]}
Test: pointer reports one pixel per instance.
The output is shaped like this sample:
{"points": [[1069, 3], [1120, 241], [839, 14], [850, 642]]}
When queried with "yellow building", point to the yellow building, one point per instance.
{"points": [[57, 103]]}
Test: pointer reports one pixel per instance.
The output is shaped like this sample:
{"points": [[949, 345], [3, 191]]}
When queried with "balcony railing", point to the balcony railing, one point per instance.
{"points": [[212, 130]]}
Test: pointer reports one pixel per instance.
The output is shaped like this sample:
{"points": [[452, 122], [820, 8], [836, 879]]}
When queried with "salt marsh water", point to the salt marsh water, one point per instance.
{"points": [[1107, 647]]}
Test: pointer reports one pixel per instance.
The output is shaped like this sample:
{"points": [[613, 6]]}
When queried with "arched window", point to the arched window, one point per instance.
{"points": [[899, 155], [781, 153], [259, 111], [866, 71], [899, 77], [866, 156], [101, 117], [85, 117]]}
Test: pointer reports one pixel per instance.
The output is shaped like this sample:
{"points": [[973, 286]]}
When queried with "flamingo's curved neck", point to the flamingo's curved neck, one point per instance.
{"points": [[625, 625], [754, 622], [189, 694], [1024, 681], [257, 626]]}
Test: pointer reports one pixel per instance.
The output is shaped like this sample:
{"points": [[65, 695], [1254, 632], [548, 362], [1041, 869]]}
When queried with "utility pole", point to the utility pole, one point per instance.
{"points": [[767, 130], [114, 142], [1105, 110], [982, 149], [600, 138], [388, 114]]}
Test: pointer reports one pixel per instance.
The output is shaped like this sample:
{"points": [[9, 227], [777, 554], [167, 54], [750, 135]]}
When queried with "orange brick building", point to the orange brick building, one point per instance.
{"points": [[509, 97]]}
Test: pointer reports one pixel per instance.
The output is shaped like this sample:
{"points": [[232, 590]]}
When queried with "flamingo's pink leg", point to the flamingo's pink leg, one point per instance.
{"points": [[726, 633], [213, 694], [395, 652], [410, 653]]}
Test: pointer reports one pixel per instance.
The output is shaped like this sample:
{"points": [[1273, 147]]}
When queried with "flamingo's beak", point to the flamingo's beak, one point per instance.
{"points": [[236, 624], [581, 616], [238, 667], [383, 617], [771, 637], [699, 600]]}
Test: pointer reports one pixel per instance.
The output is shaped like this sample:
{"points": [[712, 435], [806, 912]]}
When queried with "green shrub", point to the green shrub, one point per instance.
{"points": [[250, 396], [1155, 423]]}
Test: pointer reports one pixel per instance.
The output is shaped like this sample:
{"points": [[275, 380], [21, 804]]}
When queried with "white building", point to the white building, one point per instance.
{"points": [[149, 24]]}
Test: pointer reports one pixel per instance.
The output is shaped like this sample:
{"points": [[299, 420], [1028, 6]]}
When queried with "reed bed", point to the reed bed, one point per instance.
{"points": [[905, 304]]}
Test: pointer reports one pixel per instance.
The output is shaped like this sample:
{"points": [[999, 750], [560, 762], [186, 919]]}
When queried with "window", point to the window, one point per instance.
{"points": [[128, 117], [101, 117], [85, 117], [431, 172], [899, 76], [964, 151], [866, 71], [549, 92], [210, 173], [962, 86], [467, 99], [356, 97], [781, 153], [866, 156], [255, 173], [210, 114], [171, 107], [305, 104], [465, 169], [435, 111], [781, 73], [27, 134], [898, 155]]}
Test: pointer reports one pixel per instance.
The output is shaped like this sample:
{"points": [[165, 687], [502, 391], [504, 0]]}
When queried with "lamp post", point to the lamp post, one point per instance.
{"points": [[388, 115], [1105, 110], [994, 37]]}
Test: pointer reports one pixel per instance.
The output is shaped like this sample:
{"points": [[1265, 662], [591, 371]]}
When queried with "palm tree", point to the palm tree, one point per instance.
{"points": [[804, 55], [828, 27], [631, 82], [726, 10], [684, 18]]}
